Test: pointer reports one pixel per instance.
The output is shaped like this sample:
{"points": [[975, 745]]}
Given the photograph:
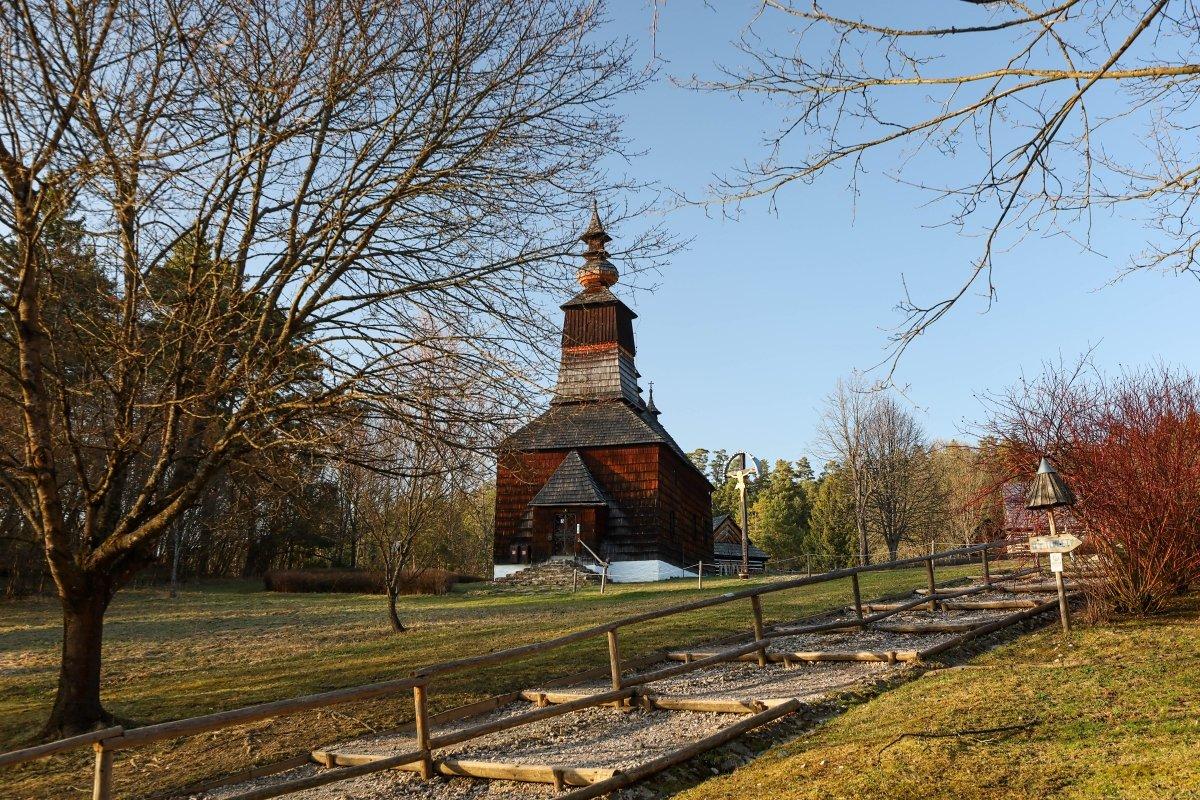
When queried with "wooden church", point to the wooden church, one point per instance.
{"points": [[597, 471]]}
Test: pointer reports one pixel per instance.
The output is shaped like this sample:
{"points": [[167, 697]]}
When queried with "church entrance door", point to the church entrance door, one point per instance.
{"points": [[566, 526]]}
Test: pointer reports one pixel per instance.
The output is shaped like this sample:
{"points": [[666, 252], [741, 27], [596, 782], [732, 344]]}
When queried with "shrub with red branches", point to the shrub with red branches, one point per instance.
{"points": [[1130, 448]]}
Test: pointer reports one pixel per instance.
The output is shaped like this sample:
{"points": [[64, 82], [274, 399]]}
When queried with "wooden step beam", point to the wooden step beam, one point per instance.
{"points": [[491, 770], [1034, 588], [628, 777], [929, 627], [988, 605], [888, 656], [651, 700]]}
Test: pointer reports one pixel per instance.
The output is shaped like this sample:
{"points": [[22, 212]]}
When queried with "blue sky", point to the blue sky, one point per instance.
{"points": [[753, 323]]}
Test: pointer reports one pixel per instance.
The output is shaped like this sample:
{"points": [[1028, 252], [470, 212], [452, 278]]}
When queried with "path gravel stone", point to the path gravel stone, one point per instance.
{"points": [[613, 738]]}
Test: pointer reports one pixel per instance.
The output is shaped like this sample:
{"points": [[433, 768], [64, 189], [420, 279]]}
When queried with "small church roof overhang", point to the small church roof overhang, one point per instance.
{"points": [[572, 484]]}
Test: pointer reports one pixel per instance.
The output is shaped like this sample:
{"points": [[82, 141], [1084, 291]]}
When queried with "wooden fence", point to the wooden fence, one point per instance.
{"points": [[109, 741]]}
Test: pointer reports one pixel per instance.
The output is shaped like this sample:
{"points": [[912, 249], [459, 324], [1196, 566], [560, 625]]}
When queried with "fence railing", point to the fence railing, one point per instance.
{"points": [[109, 741]]}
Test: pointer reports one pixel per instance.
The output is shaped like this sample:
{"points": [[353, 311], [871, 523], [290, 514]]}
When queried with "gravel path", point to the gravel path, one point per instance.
{"points": [[610, 738]]}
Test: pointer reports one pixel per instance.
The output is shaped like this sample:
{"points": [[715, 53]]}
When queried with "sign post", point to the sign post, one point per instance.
{"points": [[1048, 492], [1055, 546]]}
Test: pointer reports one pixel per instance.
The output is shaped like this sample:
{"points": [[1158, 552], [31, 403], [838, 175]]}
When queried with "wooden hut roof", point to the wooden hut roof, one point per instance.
{"points": [[1048, 489], [571, 484], [726, 550]]}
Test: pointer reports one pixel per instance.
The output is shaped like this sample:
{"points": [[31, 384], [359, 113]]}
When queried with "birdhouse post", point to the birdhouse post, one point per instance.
{"points": [[1048, 492]]}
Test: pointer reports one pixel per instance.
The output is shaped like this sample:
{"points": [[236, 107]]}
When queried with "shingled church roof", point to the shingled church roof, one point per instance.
{"points": [[596, 424]]}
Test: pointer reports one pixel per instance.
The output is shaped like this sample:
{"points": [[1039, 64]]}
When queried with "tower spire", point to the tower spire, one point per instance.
{"points": [[653, 409], [597, 271]]}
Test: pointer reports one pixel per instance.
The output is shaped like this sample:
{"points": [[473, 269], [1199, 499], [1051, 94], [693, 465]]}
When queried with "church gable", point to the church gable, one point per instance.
{"points": [[570, 485]]}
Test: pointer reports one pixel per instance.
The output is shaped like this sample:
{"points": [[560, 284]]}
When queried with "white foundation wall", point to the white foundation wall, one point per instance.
{"points": [[645, 571]]}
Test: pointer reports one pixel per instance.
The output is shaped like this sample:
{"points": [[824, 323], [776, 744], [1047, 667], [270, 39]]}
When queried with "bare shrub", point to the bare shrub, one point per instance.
{"points": [[1130, 448]]}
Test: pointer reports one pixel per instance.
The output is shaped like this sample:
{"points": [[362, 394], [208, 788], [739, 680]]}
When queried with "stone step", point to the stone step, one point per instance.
{"points": [[558, 573]]}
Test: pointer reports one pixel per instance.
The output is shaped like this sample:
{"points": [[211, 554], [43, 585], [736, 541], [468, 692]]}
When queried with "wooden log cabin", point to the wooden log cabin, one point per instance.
{"points": [[598, 468]]}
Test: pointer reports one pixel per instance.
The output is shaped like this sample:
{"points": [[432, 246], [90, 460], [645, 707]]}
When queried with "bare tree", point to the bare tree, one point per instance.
{"points": [[973, 505], [1050, 110], [419, 464], [283, 201], [907, 501], [841, 437], [400, 507], [882, 450]]}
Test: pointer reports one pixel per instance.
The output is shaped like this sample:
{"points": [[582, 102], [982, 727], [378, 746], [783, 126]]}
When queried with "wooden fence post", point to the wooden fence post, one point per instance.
{"points": [[700, 576], [102, 781], [858, 610], [932, 584], [422, 728], [614, 660], [987, 575], [756, 606]]}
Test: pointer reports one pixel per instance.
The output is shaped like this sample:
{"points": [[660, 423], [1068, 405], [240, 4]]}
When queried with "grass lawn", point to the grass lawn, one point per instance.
{"points": [[229, 644], [1115, 715]]}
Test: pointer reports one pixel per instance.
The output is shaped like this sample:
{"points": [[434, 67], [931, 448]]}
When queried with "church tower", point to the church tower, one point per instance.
{"points": [[597, 472]]}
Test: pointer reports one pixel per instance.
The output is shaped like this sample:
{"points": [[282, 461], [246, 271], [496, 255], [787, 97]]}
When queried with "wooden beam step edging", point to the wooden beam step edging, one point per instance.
{"points": [[929, 627], [628, 777], [330, 776], [988, 605], [886, 610], [560, 776], [1034, 588], [483, 729], [649, 700], [889, 656], [991, 627]]}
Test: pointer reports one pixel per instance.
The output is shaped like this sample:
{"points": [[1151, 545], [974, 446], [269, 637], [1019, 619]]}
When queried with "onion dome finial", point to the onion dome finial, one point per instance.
{"points": [[597, 271]]}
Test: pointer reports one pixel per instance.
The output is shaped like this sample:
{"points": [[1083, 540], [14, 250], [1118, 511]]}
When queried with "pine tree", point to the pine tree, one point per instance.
{"points": [[780, 515], [833, 522]]}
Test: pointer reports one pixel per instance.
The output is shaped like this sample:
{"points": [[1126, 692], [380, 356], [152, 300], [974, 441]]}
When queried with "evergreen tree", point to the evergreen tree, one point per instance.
{"points": [[780, 515], [725, 500], [834, 530], [716, 467]]}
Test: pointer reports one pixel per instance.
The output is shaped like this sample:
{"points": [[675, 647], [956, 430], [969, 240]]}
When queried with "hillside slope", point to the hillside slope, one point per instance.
{"points": [[1114, 715]]}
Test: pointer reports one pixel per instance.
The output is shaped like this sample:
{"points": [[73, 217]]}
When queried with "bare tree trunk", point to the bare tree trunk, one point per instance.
{"points": [[77, 707], [393, 616], [893, 550], [864, 544]]}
